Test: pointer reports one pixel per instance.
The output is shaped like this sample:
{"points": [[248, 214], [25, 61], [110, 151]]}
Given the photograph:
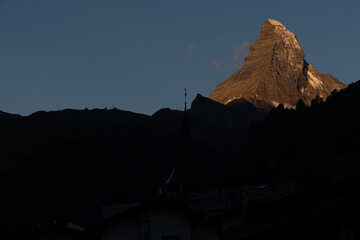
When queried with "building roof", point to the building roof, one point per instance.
{"points": [[114, 209], [160, 201]]}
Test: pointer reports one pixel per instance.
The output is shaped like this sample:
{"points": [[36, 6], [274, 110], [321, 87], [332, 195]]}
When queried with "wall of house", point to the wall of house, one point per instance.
{"points": [[199, 232], [167, 222], [122, 229], [58, 236], [164, 222], [233, 221]]}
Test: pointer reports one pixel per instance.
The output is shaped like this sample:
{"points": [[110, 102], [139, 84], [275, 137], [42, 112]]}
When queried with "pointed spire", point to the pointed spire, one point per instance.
{"points": [[185, 99]]}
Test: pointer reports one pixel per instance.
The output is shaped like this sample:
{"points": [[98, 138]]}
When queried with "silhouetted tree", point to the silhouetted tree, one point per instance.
{"points": [[334, 92], [280, 108], [316, 100], [300, 105]]}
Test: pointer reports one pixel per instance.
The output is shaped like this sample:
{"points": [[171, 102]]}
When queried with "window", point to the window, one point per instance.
{"points": [[347, 233], [170, 238], [143, 230]]}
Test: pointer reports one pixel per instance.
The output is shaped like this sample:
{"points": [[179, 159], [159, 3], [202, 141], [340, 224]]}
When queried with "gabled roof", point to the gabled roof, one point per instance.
{"points": [[160, 201]]}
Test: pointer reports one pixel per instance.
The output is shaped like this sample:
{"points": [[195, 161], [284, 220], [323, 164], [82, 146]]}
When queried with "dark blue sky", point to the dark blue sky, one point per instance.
{"points": [[140, 55]]}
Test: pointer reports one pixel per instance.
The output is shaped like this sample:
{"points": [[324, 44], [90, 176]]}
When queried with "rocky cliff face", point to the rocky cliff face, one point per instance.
{"points": [[275, 72]]}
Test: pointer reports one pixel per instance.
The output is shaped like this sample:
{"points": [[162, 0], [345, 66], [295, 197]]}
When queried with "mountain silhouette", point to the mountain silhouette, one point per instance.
{"points": [[65, 164]]}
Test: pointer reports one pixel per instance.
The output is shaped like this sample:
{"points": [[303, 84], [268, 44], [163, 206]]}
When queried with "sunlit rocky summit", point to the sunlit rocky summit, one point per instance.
{"points": [[275, 72]]}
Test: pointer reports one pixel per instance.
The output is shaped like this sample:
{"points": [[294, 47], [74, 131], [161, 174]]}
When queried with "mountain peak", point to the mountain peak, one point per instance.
{"points": [[271, 27], [274, 72], [275, 29], [274, 22]]}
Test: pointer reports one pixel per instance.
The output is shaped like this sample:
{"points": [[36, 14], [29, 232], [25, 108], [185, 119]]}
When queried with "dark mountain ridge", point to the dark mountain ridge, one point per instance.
{"points": [[65, 164]]}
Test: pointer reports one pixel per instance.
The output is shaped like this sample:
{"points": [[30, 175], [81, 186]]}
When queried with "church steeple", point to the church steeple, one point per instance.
{"points": [[181, 179], [185, 100]]}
